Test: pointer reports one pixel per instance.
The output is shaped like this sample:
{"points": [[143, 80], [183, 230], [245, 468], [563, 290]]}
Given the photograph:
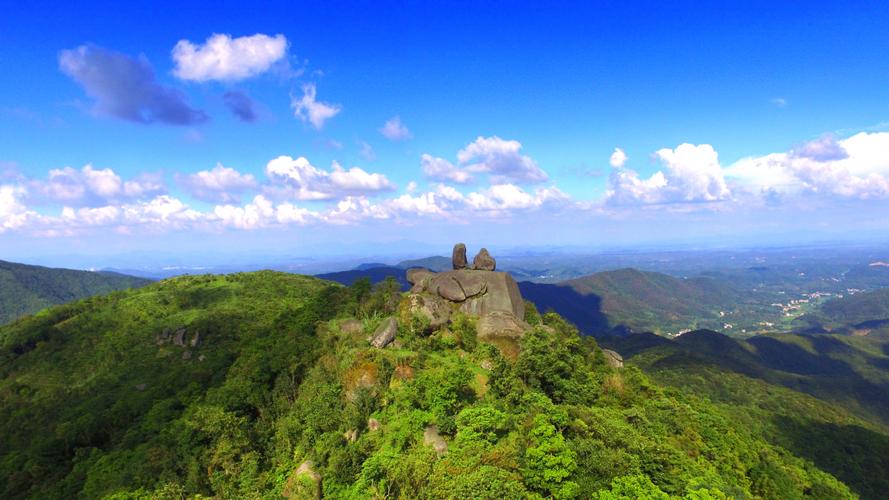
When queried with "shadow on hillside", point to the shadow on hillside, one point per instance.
{"points": [[857, 456], [584, 311], [792, 358]]}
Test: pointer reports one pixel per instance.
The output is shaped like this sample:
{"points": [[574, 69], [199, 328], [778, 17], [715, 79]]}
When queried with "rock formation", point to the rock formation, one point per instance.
{"points": [[613, 359], [385, 333], [493, 297], [458, 256], [483, 261]]}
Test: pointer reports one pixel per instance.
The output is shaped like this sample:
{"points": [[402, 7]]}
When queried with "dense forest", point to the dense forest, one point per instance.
{"points": [[27, 289], [263, 385]]}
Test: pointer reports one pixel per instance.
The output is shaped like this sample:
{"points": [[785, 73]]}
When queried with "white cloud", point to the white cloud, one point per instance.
{"points": [[502, 159], [13, 213], [618, 158], [440, 169], [310, 110], [855, 167], [261, 212], [692, 174], [299, 179], [394, 130], [223, 58], [221, 184], [91, 186], [411, 187]]}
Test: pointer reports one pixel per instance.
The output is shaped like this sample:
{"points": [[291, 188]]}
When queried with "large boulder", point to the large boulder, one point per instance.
{"points": [[613, 358], [491, 296], [385, 333], [483, 261], [458, 256], [433, 308], [416, 275]]}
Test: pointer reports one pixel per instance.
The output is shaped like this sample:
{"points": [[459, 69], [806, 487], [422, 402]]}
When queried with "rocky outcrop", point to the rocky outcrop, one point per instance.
{"points": [[458, 256], [385, 333], [613, 359], [303, 483], [491, 296], [432, 438], [483, 261]]}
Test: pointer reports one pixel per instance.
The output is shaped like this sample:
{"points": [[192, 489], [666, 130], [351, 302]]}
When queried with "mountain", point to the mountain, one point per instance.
{"points": [[265, 385], [436, 264], [851, 372], [862, 313], [639, 300], [374, 274], [803, 395], [27, 289]]}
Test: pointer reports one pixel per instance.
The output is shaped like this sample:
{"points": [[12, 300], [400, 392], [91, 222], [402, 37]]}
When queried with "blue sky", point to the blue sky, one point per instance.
{"points": [[144, 127]]}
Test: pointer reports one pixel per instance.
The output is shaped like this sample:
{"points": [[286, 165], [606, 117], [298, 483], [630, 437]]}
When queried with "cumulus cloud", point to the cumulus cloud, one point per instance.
{"points": [[501, 159], [855, 167], [125, 87], [299, 179], [692, 174], [13, 213], [159, 214], [440, 169], [221, 184], [241, 105], [92, 186], [394, 130], [262, 212], [618, 158], [308, 109], [224, 58]]}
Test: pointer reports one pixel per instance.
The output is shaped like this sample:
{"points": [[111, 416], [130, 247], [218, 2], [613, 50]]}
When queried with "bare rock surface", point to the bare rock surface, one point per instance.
{"points": [[492, 296], [458, 257], [614, 359], [385, 333], [483, 261], [432, 438]]}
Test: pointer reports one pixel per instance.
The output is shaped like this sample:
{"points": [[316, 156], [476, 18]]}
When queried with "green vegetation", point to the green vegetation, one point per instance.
{"points": [[28, 289], [648, 301], [264, 385]]}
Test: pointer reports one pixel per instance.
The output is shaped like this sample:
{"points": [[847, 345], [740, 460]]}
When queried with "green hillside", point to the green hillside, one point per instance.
{"points": [[648, 301], [264, 385], [861, 313], [772, 382], [27, 289]]}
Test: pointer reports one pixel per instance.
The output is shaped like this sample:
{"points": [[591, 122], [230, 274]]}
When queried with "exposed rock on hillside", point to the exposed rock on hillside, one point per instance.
{"points": [[491, 296], [385, 333], [614, 359]]}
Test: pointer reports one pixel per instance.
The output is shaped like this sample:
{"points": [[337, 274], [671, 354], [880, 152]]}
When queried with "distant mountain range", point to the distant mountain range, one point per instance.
{"points": [[27, 289]]}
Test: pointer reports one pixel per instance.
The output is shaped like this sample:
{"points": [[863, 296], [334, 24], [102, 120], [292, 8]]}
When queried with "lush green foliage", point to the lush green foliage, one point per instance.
{"points": [[28, 289], [260, 385]]}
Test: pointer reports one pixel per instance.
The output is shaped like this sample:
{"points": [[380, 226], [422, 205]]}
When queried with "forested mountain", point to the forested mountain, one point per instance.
{"points": [[767, 374], [863, 313], [27, 289], [265, 385]]}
